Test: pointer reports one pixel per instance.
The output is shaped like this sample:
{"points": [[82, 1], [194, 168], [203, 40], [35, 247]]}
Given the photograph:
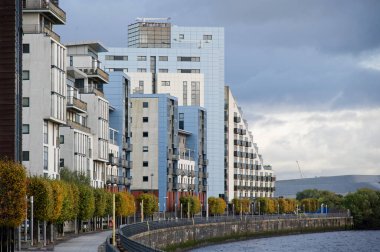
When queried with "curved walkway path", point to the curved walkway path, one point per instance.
{"points": [[84, 243]]}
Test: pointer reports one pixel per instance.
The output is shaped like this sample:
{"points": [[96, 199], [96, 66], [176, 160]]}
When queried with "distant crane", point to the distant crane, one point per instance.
{"points": [[145, 19], [299, 168]]}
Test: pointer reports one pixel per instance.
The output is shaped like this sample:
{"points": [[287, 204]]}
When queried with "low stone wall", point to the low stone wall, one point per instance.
{"points": [[164, 238]]}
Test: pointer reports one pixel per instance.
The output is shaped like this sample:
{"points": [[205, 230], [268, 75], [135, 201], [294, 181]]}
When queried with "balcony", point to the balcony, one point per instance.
{"points": [[95, 73], [192, 173], [48, 8], [37, 28], [78, 126], [175, 157], [76, 104], [111, 180], [128, 181], [129, 164], [237, 119], [128, 147]]}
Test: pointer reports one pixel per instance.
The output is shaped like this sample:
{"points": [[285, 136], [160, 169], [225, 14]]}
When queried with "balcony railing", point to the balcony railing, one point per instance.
{"points": [[49, 7], [95, 73], [75, 103], [128, 146], [37, 28], [78, 126]]}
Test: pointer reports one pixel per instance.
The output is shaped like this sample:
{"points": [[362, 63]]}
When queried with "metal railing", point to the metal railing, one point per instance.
{"points": [[75, 102], [78, 126], [45, 5], [38, 28]]}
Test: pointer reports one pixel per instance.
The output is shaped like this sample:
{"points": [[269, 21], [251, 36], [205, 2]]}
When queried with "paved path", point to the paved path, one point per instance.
{"points": [[85, 243]]}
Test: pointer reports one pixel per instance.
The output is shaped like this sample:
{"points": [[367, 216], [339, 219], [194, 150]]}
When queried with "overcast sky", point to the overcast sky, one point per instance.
{"points": [[306, 73]]}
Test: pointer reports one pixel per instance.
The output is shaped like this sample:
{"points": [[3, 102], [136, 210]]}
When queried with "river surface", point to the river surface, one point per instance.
{"points": [[366, 241]]}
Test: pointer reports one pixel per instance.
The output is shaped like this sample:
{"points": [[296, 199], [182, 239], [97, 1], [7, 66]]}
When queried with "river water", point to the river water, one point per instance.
{"points": [[366, 241]]}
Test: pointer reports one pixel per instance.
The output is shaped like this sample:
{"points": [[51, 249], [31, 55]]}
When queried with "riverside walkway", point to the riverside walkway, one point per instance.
{"points": [[84, 243]]}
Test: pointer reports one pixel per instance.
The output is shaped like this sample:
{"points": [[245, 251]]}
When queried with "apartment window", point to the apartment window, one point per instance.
{"points": [[163, 58], [141, 58], [46, 132], [120, 57], [188, 70], [46, 155], [193, 59], [145, 119], [163, 70], [145, 163], [145, 149], [185, 93], [207, 37], [61, 139], [145, 178], [181, 36], [25, 101], [25, 156], [181, 121], [116, 57], [145, 134], [61, 162], [165, 83], [145, 104], [119, 69], [141, 70], [25, 129], [25, 48], [25, 75]]}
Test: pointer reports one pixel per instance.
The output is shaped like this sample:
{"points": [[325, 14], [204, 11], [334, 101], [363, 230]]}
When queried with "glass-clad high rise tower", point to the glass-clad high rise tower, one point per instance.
{"points": [[186, 62]]}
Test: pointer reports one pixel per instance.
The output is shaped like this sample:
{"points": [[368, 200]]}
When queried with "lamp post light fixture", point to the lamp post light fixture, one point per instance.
{"points": [[165, 198], [113, 220], [259, 209], [181, 211], [151, 182]]}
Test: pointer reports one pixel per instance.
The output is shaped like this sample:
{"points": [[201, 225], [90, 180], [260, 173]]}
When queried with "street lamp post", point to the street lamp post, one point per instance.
{"points": [[259, 208], [278, 209], [322, 208], [151, 182], [31, 220], [181, 211], [113, 220]]}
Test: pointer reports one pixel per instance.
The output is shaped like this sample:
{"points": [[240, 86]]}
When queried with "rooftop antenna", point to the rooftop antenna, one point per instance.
{"points": [[299, 168], [146, 19]]}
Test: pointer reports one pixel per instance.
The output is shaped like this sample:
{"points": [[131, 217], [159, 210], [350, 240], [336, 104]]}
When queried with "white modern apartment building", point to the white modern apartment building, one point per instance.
{"points": [[186, 62], [88, 133], [44, 86], [246, 176]]}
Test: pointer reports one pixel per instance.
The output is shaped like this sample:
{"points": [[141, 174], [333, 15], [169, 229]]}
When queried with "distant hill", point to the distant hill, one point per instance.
{"points": [[338, 184]]}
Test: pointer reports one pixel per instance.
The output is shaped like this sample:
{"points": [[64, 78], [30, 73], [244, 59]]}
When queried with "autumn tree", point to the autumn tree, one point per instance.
{"points": [[150, 203], [216, 206], [86, 202], [191, 203], [12, 193], [42, 192], [57, 196], [100, 202], [241, 205]]}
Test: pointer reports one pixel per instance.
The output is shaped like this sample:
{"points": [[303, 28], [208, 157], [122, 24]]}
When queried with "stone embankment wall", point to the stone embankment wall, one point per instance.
{"points": [[164, 238]]}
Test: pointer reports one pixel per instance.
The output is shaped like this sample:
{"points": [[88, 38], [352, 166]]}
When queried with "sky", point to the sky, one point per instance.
{"points": [[306, 73]]}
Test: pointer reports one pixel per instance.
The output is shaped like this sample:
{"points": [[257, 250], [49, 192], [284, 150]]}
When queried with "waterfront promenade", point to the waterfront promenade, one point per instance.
{"points": [[83, 243]]}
